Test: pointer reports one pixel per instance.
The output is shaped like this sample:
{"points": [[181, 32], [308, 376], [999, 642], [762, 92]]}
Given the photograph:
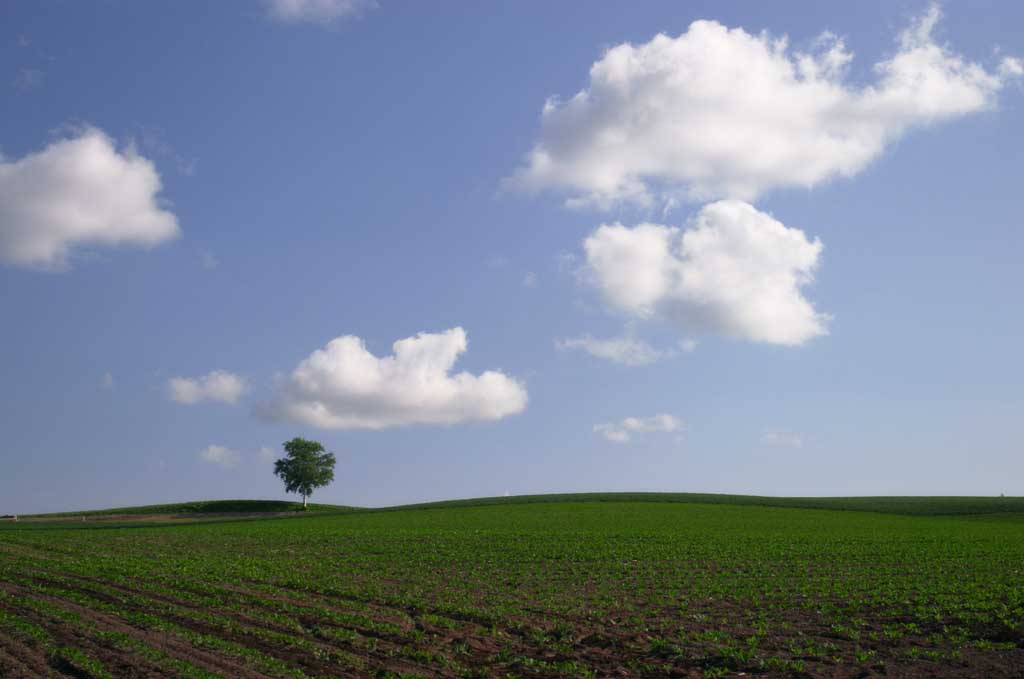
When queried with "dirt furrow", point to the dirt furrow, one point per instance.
{"points": [[21, 662], [308, 623], [382, 657], [173, 646]]}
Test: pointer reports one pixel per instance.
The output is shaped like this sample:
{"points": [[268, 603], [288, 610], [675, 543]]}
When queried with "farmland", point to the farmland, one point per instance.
{"points": [[631, 586]]}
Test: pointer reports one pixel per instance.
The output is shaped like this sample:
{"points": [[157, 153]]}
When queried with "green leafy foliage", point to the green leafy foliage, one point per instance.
{"points": [[305, 467]]}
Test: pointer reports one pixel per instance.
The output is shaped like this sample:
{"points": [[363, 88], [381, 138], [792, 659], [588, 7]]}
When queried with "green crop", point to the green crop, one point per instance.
{"points": [[524, 589]]}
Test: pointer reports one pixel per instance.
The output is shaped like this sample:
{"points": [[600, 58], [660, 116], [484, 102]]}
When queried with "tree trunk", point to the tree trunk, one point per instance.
{"points": [[304, 505]]}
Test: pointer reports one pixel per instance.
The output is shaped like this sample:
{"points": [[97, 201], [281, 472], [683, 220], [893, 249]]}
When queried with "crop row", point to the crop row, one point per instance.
{"points": [[533, 590]]}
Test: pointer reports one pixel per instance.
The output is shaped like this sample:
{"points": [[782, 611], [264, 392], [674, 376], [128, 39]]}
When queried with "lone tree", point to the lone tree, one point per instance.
{"points": [[305, 467]]}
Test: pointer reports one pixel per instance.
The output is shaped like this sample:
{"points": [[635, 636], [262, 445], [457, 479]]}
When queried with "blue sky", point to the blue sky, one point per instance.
{"points": [[806, 283]]}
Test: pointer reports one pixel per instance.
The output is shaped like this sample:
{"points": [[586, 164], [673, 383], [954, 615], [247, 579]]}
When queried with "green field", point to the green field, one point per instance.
{"points": [[553, 586], [910, 505]]}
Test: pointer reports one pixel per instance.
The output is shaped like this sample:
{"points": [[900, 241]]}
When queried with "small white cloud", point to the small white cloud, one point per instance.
{"points": [[218, 385], [107, 381], [625, 350], [344, 386], [612, 433], [267, 454], [688, 345], [735, 270], [622, 432], [78, 192], [782, 439], [317, 11], [219, 455], [717, 112], [530, 280], [208, 260]]}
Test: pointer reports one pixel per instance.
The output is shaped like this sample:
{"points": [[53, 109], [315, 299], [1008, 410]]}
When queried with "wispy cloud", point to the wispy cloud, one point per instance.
{"points": [[318, 11], [29, 78], [782, 439], [623, 431], [624, 350], [218, 385], [220, 455]]}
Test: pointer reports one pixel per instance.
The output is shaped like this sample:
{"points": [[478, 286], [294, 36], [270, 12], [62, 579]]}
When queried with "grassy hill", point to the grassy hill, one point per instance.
{"points": [[199, 507], [906, 505]]}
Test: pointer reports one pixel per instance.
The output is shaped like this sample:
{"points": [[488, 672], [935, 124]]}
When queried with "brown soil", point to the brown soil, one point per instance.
{"points": [[607, 647], [18, 661]]}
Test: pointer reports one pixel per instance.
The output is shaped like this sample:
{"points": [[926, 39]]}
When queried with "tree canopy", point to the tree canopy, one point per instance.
{"points": [[306, 466]]}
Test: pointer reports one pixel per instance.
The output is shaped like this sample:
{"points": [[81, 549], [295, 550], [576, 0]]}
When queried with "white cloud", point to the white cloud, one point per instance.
{"points": [[267, 454], [782, 439], [107, 381], [1011, 67], [625, 350], [219, 455], [218, 385], [734, 270], [530, 280], [208, 260], [29, 78], [622, 432], [317, 11], [77, 192], [720, 113], [344, 386]]}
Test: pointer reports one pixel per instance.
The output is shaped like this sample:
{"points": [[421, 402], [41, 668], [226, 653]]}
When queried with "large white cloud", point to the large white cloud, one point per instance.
{"points": [[623, 431], [317, 11], [734, 270], [720, 113], [218, 385], [344, 386], [79, 191]]}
